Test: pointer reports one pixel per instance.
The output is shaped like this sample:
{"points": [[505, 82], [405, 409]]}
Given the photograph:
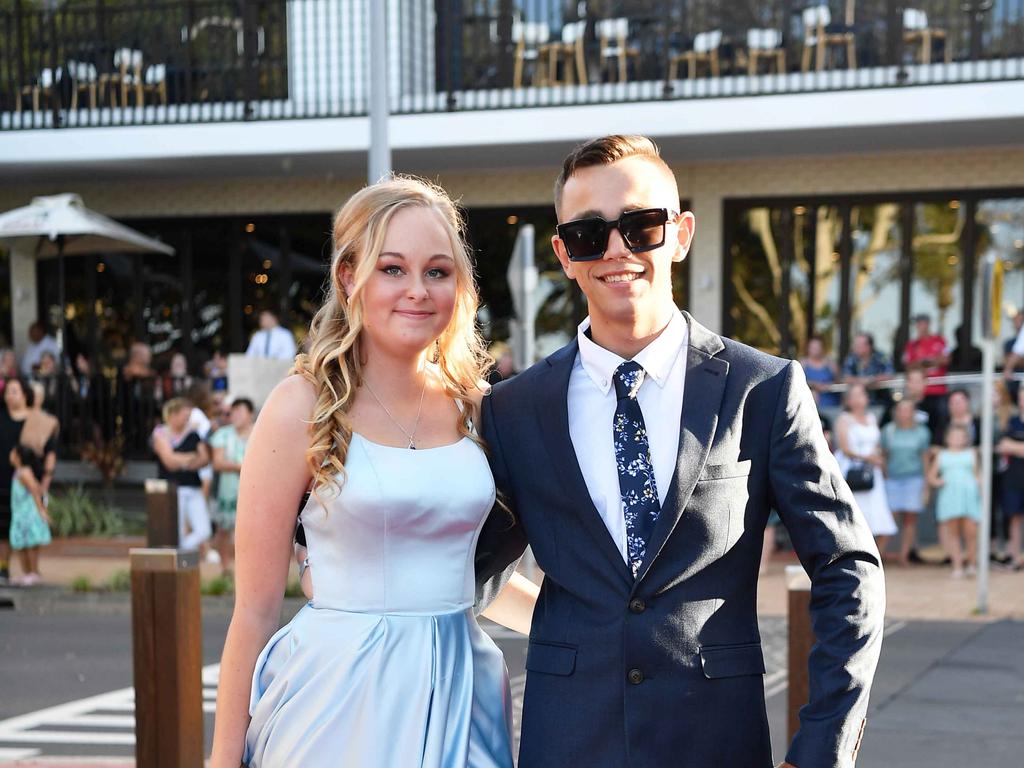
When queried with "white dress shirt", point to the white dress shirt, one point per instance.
{"points": [[1018, 344], [276, 343], [592, 408]]}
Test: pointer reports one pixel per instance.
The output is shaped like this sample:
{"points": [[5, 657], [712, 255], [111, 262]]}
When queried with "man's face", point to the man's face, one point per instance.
{"points": [[861, 347], [623, 287], [267, 320], [921, 326], [35, 334]]}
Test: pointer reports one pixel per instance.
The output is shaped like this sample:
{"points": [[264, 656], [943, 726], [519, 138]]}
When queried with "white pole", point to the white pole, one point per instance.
{"points": [[380, 149], [988, 359]]}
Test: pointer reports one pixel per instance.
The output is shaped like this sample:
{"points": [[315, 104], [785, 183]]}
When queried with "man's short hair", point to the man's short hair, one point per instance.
{"points": [[605, 151]]}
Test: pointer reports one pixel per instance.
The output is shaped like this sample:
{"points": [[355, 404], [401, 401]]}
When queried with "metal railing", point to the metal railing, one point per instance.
{"points": [[127, 62]]}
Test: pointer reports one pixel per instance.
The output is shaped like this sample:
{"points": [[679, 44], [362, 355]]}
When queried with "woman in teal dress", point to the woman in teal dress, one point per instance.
{"points": [[30, 525], [955, 472]]}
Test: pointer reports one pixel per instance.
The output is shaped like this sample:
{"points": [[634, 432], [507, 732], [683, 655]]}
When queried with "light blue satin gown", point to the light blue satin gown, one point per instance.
{"points": [[386, 665]]}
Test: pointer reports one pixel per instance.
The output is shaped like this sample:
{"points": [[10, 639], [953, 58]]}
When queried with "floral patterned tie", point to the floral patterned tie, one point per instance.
{"points": [[639, 492]]}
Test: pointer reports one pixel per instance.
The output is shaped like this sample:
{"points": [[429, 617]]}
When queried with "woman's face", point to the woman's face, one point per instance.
{"points": [[905, 414], [14, 396], [8, 362], [956, 439], [241, 417], [179, 367], [814, 349], [959, 406], [178, 420], [409, 298], [857, 399]]}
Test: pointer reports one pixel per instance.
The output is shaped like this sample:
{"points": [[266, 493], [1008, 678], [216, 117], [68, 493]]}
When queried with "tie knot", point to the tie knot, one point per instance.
{"points": [[628, 378]]}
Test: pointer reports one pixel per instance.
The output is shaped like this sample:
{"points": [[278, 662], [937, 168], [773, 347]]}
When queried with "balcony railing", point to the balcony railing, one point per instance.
{"points": [[130, 62]]}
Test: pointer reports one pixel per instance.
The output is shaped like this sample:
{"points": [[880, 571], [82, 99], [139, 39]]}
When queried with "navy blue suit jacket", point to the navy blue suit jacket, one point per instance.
{"points": [[666, 669]]}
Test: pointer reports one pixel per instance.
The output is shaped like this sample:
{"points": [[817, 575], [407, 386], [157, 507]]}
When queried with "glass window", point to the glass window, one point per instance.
{"points": [[936, 287], [875, 295], [1000, 231], [823, 262], [755, 278]]}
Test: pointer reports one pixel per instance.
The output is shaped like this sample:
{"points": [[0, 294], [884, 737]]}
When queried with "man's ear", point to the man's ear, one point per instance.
{"points": [[687, 226], [563, 257]]}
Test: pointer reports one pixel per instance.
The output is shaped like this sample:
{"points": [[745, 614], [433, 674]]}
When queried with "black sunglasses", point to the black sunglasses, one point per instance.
{"points": [[641, 230]]}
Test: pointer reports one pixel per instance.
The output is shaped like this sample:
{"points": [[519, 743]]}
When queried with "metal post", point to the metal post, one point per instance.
{"points": [[380, 149], [801, 640], [988, 361], [167, 658], [522, 280]]}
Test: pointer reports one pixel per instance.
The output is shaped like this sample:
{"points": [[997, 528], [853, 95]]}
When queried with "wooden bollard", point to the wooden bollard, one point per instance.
{"points": [[167, 658], [161, 514], [801, 639]]}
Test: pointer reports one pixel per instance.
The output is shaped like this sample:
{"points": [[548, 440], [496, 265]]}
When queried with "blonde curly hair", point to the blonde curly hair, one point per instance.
{"points": [[333, 360]]}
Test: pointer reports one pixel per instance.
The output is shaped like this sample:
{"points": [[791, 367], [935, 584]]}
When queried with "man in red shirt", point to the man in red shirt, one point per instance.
{"points": [[929, 351]]}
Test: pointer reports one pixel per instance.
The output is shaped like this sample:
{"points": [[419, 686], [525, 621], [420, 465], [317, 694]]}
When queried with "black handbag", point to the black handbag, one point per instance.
{"points": [[860, 476]]}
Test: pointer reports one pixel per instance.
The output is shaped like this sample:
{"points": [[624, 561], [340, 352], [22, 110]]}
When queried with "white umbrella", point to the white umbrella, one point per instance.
{"points": [[61, 225]]}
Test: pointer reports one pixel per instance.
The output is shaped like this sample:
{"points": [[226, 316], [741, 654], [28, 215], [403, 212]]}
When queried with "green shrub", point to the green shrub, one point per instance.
{"points": [[120, 581], [217, 586], [81, 584], [76, 513]]}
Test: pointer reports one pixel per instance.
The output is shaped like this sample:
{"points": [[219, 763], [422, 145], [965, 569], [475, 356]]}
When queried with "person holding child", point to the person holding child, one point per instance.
{"points": [[956, 473]]}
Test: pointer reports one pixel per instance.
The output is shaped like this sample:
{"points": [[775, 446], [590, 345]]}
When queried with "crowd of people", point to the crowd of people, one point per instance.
{"points": [[199, 438], [200, 451], [914, 450]]}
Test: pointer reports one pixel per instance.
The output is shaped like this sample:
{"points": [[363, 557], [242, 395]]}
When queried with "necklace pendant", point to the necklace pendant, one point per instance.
{"points": [[412, 445]]}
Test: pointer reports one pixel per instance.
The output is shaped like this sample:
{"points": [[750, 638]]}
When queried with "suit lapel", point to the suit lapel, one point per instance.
{"points": [[702, 398], [552, 406]]}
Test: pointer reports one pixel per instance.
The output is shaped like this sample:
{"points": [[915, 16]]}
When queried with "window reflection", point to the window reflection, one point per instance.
{"points": [[827, 278], [936, 287], [875, 273], [1000, 232], [756, 281]]}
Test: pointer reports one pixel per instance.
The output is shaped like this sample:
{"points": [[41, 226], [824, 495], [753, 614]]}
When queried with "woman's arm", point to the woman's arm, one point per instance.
{"points": [[842, 436], [221, 464], [171, 459], [513, 607], [273, 479], [934, 476], [28, 479]]}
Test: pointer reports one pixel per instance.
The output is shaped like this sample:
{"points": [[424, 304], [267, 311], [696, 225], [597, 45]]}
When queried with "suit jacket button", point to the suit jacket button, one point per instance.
{"points": [[636, 605], [635, 676]]}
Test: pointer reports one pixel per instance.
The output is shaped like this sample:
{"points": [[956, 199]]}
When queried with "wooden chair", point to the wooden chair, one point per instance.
{"points": [[155, 81], [83, 78], [126, 77], [43, 86], [530, 37], [765, 44], [916, 30], [817, 40], [569, 53], [705, 50], [613, 34]]}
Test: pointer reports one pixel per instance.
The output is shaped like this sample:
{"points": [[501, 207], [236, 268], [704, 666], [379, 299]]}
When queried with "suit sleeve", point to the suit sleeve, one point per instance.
{"points": [[502, 541], [836, 548]]}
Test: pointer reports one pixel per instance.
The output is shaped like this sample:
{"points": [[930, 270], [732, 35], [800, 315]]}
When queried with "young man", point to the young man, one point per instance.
{"points": [[641, 462]]}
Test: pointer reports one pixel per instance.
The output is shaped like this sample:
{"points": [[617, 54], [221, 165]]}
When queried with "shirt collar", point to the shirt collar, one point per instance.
{"points": [[656, 358]]}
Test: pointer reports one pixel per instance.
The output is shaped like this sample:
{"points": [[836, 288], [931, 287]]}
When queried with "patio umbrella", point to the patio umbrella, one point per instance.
{"points": [[61, 225]]}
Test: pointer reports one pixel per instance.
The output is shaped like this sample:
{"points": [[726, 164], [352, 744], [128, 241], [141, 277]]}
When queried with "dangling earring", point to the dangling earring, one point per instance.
{"points": [[436, 355]]}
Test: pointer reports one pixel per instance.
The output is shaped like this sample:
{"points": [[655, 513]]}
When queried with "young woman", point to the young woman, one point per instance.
{"points": [[182, 453], [860, 446], [228, 444], [17, 405], [906, 443], [386, 665]]}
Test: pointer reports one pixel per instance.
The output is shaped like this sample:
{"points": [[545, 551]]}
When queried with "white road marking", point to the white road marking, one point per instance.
{"points": [[10, 754]]}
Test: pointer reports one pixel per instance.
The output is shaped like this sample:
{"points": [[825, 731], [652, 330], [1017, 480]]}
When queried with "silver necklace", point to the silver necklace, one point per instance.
{"points": [[419, 412]]}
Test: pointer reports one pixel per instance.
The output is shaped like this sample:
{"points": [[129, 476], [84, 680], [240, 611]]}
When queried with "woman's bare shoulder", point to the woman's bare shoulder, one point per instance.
{"points": [[290, 403]]}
